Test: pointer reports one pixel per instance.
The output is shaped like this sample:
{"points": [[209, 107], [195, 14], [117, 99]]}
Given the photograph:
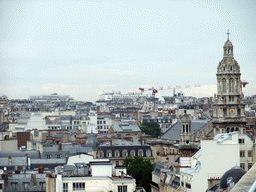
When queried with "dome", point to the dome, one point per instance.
{"points": [[228, 44], [92, 141], [234, 175]]}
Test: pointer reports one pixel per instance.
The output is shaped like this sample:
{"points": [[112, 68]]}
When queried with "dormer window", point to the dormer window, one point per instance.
{"points": [[223, 68]]}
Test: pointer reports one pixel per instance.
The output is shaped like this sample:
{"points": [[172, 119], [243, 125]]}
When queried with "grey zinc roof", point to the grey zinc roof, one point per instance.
{"points": [[3, 161], [125, 127], [16, 161], [197, 168], [47, 161], [158, 167], [123, 143], [75, 150], [173, 133], [17, 153]]}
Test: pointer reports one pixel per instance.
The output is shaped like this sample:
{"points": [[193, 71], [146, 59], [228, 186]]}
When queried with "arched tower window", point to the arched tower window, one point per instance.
{"points": [[187, 128], [224, 86], [231, 85]]}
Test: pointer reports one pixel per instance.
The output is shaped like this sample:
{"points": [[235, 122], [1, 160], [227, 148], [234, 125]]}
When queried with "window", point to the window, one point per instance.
{"points": [[117, 163], [140, 153], [224, 112], [242, 154], [242, 165], [65, 187], [231, 86], [224, 86], [58, 156], [124, 153], [109, 153], [101, 154], [42, 185], [122, 188], [250, 165], [25, 185], [132, 153], [1, 186], [241, 141], [117, 154], [148, 153], [48, 156], [14, 185], [249, 153], [78, 186]]}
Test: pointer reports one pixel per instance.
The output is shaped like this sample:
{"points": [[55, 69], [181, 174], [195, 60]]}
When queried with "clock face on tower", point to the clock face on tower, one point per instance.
{"points": [[232, 111]]}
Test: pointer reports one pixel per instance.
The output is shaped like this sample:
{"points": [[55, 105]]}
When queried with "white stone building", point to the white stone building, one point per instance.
{"points": [[217, 156]]}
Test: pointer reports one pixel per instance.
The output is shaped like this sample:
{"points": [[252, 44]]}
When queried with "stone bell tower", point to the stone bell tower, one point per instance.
{"points": [[185, 132], [228, 109]]}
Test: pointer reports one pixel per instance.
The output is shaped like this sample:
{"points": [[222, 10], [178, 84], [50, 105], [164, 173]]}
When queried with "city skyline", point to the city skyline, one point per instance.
{"points": [[82, 48]]}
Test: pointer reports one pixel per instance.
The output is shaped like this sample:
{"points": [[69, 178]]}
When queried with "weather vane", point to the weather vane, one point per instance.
{"points": [[228, 34]]}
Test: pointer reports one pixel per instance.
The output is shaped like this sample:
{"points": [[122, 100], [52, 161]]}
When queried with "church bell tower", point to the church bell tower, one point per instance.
{"points": [[228, 108]]}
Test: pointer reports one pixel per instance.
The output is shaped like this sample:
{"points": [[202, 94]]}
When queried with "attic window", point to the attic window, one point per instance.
{"points": [[241, 141]]}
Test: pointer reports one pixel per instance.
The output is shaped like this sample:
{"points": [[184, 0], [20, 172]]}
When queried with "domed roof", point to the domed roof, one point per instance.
{"points": [[234, 175], [228, 44], [92, 141]]}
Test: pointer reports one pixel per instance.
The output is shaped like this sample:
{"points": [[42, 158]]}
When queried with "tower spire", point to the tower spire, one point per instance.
{"points": [[228, 34]]}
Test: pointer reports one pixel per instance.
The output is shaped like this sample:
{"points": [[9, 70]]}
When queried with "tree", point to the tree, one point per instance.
{"points": [[152, 129], [141, 170]]}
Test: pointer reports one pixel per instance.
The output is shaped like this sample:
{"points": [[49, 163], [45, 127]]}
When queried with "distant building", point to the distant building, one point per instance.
{"points": [[117, 151], [95, 176]]}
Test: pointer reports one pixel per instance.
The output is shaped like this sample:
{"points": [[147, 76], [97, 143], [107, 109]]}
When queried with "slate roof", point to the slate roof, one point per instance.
{"points": [[173, 133]]}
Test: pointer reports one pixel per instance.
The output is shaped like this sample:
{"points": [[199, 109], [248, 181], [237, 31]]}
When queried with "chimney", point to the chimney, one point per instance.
{"points": [[40, 169], [10, 160], [33, 178], [122, 174], [60, 146], [5, 178]]}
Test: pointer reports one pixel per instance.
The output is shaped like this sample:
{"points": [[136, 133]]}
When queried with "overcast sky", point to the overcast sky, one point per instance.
{"points": [[82, 48]]}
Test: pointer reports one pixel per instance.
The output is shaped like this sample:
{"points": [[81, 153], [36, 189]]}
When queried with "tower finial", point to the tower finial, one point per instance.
{"points": [[228, 34]]}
